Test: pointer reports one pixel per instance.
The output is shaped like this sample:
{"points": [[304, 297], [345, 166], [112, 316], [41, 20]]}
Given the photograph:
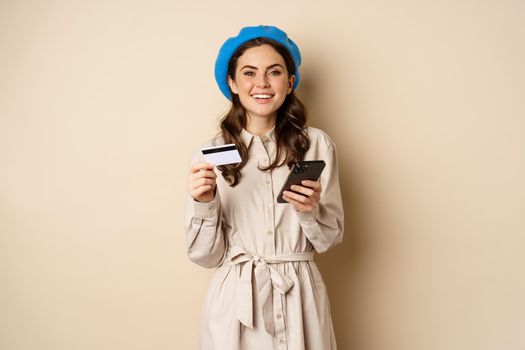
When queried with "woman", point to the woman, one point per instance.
{"points": [[267, 292]]}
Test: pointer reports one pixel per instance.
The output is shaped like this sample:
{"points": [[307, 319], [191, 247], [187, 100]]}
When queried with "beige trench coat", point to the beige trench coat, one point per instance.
{"points": [[267, 292]]}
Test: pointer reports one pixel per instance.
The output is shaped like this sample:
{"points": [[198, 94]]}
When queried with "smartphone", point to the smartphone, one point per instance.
{"points": [[302, 170]]}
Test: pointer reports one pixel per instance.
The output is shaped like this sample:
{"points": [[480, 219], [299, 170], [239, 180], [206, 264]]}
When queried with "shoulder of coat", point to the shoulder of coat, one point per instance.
{"points": [[319, 136]]}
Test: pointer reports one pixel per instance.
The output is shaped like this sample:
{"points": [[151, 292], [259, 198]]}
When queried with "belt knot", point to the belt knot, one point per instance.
{"points": [[266, 278]]}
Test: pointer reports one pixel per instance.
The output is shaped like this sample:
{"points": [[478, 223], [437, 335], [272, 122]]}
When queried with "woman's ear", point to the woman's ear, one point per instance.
{"points": [[233, 85], [291, 81]]}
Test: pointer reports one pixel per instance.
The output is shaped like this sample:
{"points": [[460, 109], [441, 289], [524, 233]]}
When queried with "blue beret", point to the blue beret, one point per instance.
{"points": [[246, 34]]}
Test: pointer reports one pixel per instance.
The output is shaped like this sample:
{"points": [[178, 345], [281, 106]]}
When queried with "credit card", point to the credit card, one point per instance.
{"points": [[223, 154]]}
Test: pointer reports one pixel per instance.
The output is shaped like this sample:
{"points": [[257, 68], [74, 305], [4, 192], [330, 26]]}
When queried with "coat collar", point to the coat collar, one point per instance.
{"points": [[247, 137]]}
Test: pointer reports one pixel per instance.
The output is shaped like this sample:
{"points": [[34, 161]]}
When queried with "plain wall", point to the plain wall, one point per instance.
{"points": [[103, 102]]}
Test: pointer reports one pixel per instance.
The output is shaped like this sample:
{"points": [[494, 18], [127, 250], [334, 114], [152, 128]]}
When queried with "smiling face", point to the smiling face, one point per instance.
{"points": [[261, 81]]}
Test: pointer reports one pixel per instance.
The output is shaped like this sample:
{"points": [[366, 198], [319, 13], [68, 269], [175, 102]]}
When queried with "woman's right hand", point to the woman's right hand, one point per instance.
{"points": [[201, 182]]}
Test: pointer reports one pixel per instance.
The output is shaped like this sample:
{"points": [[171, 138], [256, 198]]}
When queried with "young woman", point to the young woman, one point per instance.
{"points": [[267, 292]]}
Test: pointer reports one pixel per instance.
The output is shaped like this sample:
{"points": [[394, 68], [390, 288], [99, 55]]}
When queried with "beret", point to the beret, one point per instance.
{"points": [[246, 34]]}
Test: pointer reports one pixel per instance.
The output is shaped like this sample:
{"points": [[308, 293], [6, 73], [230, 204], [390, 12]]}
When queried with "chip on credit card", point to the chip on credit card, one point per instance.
{"points": [[221, 155]]}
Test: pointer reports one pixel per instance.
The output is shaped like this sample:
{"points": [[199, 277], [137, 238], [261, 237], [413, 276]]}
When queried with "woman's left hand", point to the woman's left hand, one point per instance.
{"points": [[309, 197]]}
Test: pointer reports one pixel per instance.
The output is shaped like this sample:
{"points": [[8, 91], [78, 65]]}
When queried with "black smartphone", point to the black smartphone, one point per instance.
{"points": [[302, 170]]}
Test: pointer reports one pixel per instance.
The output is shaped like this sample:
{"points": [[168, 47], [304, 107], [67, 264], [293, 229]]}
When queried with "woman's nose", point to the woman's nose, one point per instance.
{"points": [[262, 82]]}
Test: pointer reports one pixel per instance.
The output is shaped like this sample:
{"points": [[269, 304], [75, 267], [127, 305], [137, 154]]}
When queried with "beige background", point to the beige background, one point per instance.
{"points": [[102, 103]]}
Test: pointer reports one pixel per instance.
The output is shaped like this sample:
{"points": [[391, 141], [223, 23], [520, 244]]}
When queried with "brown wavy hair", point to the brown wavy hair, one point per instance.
{"points": [[290, 125]]}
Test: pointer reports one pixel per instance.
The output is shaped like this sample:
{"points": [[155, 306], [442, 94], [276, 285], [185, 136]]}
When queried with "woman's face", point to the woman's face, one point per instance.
{"points": [[261, 81]]}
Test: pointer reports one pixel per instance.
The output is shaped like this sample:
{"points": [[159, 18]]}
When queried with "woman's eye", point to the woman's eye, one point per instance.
{"points": [[249, 73], [275, 72]]}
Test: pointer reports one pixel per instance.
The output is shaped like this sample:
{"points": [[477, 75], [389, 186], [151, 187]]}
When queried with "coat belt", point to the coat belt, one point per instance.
{"points": [[266, 278]]}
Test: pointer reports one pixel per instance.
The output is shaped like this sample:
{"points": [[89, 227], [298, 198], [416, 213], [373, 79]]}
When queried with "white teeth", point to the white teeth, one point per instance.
{"points": [[262, 96]]}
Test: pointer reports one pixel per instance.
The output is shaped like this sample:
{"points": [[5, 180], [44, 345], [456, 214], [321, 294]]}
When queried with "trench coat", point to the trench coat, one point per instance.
{"points": [[266, 292]]}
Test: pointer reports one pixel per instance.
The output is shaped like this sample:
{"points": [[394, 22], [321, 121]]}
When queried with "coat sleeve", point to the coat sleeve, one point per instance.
{"points": [[205, 240], [324, 226]]}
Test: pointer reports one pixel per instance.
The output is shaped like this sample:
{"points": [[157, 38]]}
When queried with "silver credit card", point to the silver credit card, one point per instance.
{"points": [[221, 155]]}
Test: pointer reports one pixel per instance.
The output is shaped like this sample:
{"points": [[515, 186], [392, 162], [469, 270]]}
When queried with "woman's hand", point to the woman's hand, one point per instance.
{"points": [[308, 200], [201, 182]]}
